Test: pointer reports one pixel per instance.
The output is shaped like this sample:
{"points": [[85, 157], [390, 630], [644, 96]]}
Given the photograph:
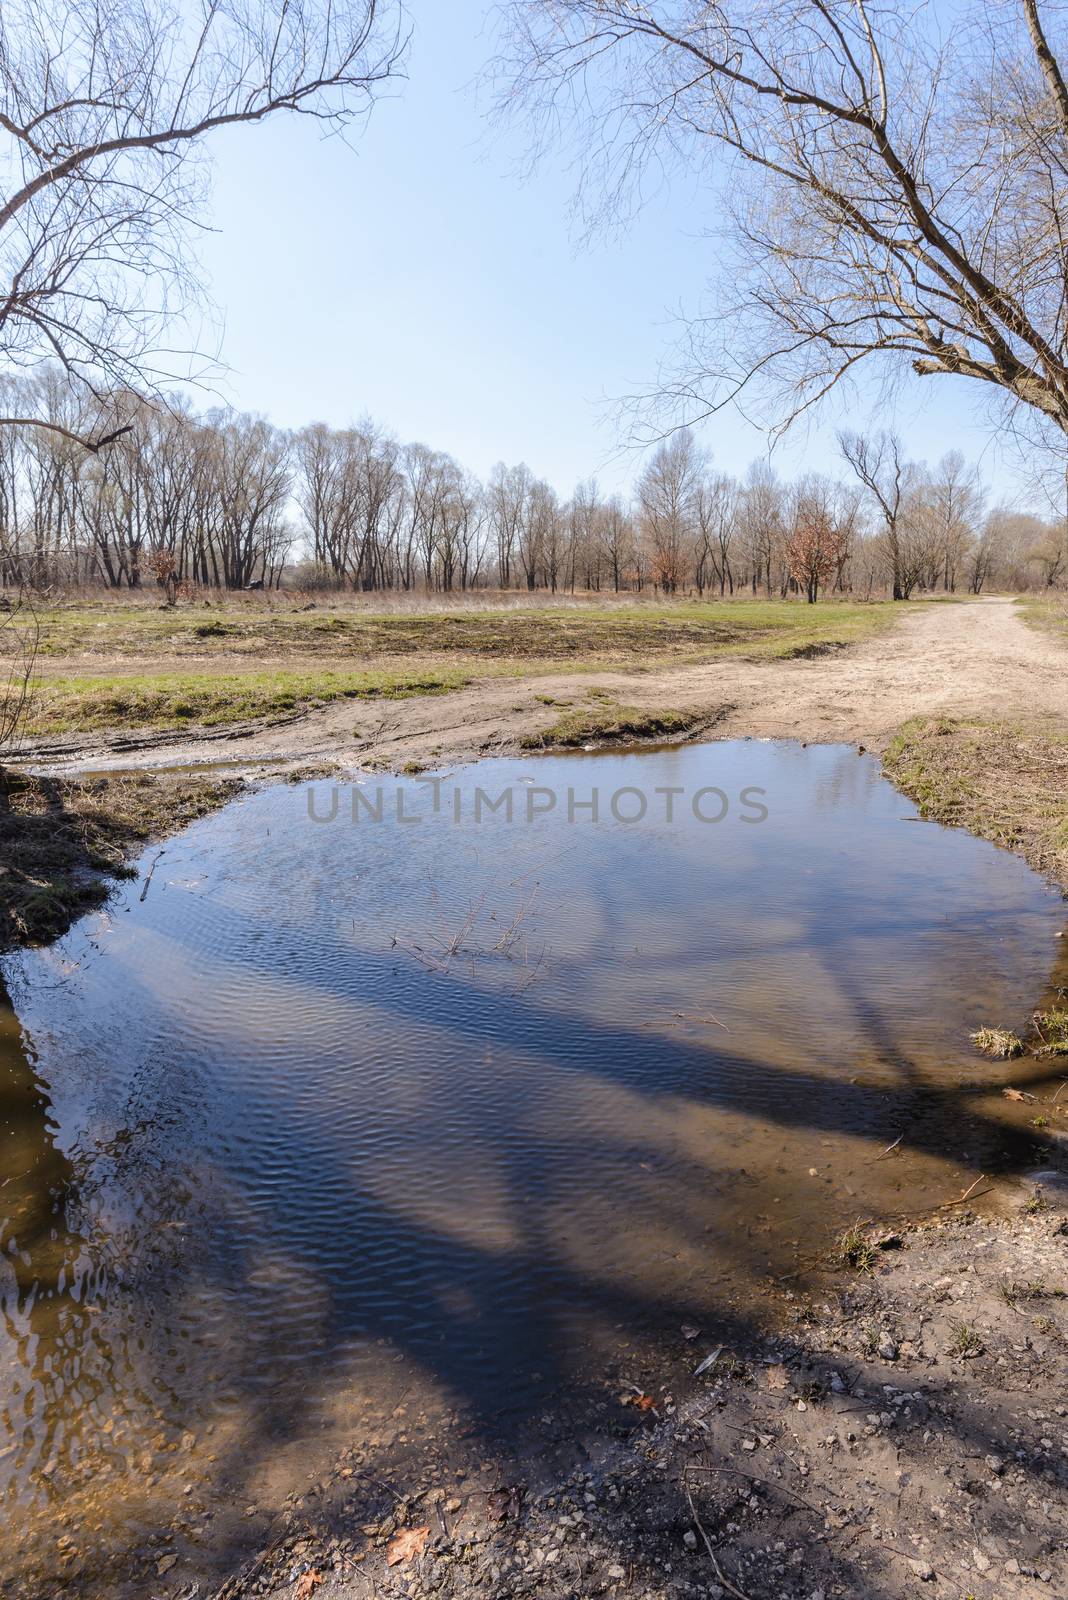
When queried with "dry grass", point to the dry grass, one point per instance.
{"points": [[502, 628], [609, 723], [999, 1043], [1007, 782], [63, 842]]}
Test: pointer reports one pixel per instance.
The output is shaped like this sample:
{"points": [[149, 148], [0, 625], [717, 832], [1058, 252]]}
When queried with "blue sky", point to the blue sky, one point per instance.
{"points": [[413, 276]]}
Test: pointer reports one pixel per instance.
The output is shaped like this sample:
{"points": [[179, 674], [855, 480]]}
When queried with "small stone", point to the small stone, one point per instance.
{"points": [[1012, 1566], [981, 1562], [616, 1573], [689, 1539], [923, 1570], [165, 1563], [748, 1444], [886, 1347], [995, 1464]]}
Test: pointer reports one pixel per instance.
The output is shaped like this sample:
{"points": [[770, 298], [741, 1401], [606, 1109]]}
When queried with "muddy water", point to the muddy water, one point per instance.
{"points": [[417, 1116]]}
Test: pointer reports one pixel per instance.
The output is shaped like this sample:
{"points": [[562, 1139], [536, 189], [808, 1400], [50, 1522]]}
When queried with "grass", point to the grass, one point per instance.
{"points": [[856, 1250], [512, 627], [1000, 1043], [1007, 782], [111, 664], [62, 840], [609, 723], [1048, 612], [1052, 1029], [176, 700], [965, 1342]]}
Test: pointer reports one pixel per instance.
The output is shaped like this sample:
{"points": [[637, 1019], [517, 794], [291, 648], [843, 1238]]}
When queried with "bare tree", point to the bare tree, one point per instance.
{"points": [[881, 468], [19, 638], [509, 497], [104, 108], [897, 178], [667, 493], [615, 539], [947, 510], [760, 515]]}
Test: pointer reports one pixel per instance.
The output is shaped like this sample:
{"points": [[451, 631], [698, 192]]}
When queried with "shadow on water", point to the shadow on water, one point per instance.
{"points": [[294, 1172]]}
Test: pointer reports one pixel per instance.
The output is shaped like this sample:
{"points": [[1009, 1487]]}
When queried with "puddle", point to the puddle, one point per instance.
{"points": [[365, 1131]]}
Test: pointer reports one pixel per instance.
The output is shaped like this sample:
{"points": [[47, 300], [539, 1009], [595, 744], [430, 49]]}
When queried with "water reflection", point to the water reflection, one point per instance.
{"points": [[341, 1120]]}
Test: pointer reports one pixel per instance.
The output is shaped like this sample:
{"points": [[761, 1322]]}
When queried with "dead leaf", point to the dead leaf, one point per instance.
{"points": [[644, 1402], [505, 1503], [778, 1377], [165, 1563], [1016, 1094], [406, 1545], [307, 1584]]}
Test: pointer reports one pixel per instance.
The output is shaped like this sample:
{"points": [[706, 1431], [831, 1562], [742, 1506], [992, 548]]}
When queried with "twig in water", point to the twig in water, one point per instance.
{"points": [[148, 880], [1060, 1091], [721, 1576], [890, 1147], [972, 1186], [685, 1016]]}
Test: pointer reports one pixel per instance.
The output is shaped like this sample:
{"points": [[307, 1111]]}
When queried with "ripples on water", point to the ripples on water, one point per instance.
{"points": [[339, 1113]]}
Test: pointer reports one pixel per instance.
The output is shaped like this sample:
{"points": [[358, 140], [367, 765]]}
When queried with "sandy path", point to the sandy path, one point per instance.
{"points": [[973, 658]]}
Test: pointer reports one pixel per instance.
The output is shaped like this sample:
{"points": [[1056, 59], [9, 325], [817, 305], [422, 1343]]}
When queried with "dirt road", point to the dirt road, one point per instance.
{"points": [[972, 658]]}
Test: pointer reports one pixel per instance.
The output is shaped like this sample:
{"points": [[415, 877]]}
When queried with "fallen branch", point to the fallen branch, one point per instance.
{"points": [[721, 1576]]}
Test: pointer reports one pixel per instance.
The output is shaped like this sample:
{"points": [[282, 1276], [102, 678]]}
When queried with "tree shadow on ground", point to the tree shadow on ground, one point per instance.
{"points": [[59, 1274]]}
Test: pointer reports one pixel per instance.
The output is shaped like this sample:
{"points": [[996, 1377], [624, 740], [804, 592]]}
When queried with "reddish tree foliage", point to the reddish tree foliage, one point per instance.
{"points": [[813, 551]]}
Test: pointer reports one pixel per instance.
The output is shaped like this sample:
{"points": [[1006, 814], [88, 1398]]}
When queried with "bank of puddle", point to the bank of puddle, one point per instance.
{"points": [[438, 1108]]}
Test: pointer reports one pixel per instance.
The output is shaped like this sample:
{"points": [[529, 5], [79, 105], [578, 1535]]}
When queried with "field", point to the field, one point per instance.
{"points": [[109, 665]]}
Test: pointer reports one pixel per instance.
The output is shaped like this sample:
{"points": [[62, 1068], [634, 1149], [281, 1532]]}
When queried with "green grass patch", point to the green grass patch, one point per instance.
{"points": [[609, 724], [178, 700]]}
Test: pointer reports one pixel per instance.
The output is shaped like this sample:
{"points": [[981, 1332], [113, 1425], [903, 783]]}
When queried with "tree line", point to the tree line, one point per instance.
{"points": [[227, 500]]}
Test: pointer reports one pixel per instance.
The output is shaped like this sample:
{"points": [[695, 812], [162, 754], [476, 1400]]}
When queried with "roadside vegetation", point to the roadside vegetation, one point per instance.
{"points": [[1005, 781], [1047, 611], [610, 723], [64, 842]]}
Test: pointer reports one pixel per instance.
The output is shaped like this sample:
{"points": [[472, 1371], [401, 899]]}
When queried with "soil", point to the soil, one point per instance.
{"points": [[970, 659], [896, 1434]]}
